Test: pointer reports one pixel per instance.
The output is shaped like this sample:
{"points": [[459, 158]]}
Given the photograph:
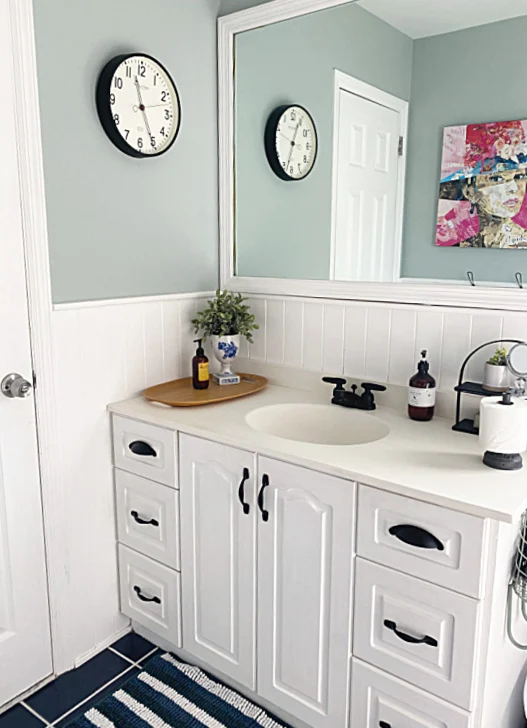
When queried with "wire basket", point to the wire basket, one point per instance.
{"points": [[519, 571]]}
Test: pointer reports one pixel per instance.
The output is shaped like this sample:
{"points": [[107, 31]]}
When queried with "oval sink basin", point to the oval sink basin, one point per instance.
{"points": [[320, 424]]}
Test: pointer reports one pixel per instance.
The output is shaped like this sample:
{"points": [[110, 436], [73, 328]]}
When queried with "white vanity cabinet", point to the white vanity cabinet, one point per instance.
{"points": [[266, 568], [332, 604]]}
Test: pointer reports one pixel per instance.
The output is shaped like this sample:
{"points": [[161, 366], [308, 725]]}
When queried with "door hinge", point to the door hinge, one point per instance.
{"points": [[401, 146], [34, 380]]}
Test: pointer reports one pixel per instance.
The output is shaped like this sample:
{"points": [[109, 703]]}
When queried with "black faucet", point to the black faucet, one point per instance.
{"points": [[364, 401]]}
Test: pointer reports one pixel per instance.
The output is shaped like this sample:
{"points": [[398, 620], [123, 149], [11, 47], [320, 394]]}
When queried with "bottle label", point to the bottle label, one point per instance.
{"points": [[203, 371], [418, 397]]}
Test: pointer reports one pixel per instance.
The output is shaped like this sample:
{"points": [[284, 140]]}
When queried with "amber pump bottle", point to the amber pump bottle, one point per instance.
{"points": [[200, 368], [422, 393]]}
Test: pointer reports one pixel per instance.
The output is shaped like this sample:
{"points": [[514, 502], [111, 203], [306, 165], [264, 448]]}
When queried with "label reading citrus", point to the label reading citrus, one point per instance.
{"points": [[203, 371], [418, 397]]}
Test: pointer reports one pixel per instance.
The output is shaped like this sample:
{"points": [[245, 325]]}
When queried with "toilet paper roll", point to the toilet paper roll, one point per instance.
{"points": [[503, 428]]}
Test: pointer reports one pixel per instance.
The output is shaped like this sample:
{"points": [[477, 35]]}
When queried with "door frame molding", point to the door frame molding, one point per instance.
{"points": [[38, 283], [356, 87]]}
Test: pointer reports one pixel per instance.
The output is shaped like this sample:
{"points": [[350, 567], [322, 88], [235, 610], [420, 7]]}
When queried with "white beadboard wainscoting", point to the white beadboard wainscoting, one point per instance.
{"points": [[376, 341], [104, 354], [108, 352]]}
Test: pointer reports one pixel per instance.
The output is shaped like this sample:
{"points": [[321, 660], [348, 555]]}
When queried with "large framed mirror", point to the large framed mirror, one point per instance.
{"points": [[375, 150]]}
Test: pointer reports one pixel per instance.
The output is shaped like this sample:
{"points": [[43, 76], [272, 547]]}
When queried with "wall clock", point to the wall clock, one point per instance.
{"points": [[138, 105], [291, 142]]}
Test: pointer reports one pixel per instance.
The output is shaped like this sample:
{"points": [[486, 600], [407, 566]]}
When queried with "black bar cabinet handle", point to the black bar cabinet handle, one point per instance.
{"points": [[265, 484], [426, 640], [135, 515], [416, 536], [155, 600], [142, 448], [241, 491], [384, 724]]}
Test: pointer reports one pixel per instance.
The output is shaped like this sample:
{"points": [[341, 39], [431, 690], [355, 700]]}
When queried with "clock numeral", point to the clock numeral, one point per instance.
{"points": [[292, 170], [153, 141], [285, 119], [128, 72], [164, 96], [284, 165], [162, 131], [167, 114], [118, 82], [112, 99], [141, 70], [116, 119], [305, 133], [126, 133], [140, 143], [308, 146], [305, 160], [293, 116]]}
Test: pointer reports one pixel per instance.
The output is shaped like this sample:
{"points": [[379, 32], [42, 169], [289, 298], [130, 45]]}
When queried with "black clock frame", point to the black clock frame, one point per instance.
{"points": [[270, 142], [104, 107]]}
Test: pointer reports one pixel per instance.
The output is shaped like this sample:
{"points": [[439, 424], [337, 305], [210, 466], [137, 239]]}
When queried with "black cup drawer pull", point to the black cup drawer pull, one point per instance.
{"points": [[155, 600], [138, 447], [416, 536], [241, 492], [384, 724], [426, 640], [137, 518]]}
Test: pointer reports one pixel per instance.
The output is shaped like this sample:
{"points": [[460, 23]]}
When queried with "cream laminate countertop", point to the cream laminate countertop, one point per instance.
{"points": [[427, 461]]}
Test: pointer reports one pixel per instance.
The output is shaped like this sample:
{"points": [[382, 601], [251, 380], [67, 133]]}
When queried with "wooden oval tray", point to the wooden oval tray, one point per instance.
{"points": [[181, 393]]}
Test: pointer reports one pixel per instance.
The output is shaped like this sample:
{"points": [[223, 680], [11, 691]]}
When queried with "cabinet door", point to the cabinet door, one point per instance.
{"points": [[305, 536], [218, 556]]}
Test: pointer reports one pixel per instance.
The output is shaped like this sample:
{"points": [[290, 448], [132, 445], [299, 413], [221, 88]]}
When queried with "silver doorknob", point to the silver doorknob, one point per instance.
{"points": [[14, 385]]}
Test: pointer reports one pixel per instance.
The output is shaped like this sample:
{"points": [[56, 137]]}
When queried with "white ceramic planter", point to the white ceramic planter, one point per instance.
{"points": [[497, 378], [225, 349]]}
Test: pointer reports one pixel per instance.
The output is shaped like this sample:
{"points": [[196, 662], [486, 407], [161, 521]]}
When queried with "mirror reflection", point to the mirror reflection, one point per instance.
{"points": [[379, 141]]}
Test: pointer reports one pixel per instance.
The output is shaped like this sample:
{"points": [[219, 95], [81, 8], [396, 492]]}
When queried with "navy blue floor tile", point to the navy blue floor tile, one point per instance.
{"points": [[68, 690], [19, 717], [147, 659], [96, 699], [133, 646]]}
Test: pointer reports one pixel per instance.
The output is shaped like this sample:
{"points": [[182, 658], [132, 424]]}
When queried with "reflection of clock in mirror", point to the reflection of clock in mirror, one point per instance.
{"points": [[291, 142], [138, 105]]}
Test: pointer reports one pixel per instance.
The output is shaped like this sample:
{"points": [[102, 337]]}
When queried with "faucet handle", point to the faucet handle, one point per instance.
{"points": [[373, 387], [337, 381]]}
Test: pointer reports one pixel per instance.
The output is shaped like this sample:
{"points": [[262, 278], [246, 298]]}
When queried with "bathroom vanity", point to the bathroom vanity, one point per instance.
{"points": [[338, 585]]}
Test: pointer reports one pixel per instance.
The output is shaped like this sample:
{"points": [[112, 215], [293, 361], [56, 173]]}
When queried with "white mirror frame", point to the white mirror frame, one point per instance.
{"points": [[417, 291]]}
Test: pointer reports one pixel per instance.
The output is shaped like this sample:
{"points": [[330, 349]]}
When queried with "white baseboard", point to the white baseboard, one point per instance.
{"points": [[102, 646]]}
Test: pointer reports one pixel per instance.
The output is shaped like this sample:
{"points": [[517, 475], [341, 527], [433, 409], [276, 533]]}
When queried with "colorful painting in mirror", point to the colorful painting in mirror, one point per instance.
{"points": [[482, 197]]}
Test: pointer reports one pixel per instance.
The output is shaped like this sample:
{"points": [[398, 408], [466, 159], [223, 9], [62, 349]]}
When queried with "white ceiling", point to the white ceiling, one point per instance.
{"points": [[422, 18]]}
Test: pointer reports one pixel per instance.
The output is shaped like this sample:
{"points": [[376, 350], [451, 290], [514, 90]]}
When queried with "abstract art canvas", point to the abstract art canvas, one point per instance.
{"points": [[482, 196]]}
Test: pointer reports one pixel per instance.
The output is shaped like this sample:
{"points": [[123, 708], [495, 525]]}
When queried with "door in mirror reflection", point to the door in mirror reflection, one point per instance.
{"points": [[368, 177]]}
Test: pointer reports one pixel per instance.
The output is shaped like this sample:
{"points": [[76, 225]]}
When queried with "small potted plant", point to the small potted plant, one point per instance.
{"points": [[497, 372], [225, 319]]}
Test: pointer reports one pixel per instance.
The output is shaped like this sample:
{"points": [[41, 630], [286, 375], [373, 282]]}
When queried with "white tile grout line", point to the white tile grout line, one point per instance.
{"points": [[133, 664]]}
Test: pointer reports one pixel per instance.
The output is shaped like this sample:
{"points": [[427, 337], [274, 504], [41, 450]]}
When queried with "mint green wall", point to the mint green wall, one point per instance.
{"points": [[283, 228], [119, 226], [471, 76]]}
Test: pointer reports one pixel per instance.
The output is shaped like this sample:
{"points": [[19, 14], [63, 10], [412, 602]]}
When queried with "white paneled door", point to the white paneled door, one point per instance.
{"points": [[304, 592], [218, 556], [25, 646], [368, 194]]}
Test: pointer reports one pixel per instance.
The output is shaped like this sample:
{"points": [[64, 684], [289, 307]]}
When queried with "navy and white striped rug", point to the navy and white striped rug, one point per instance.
{"points": [[172, 694]]}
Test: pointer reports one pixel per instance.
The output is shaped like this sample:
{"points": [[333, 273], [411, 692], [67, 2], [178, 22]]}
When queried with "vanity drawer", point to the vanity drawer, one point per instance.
{"points": [[433, 543], [150, 594], [148, 517], [381, 701], [418, 632], [145, 450]]}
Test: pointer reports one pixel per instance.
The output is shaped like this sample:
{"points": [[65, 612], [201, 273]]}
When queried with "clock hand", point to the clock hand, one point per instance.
{"points": [[154, 106], [293, 143], [142, 107]]}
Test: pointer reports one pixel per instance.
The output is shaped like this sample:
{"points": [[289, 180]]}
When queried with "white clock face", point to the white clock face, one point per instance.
{"points": [[296, 142], [144, 105]]}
